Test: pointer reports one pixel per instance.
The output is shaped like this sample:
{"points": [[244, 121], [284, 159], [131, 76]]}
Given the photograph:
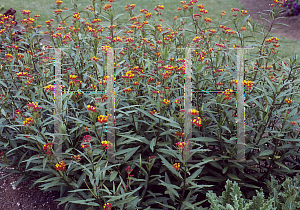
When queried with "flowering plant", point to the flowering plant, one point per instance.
{"points": [[149, 116]]}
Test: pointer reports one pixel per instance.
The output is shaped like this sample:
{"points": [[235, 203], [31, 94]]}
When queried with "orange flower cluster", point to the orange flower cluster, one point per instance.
{"points": [[153, 112], [180, 145], [176, 166], [185, 6], [9, 57], [26, 12], [96, 20], [148, 15], [196, 121], [103, 98], [74, 80], [91, 108], [288, 100], [93, 86], [85, 146], [166, 101], [60, 166], [76, 158], [194, 112], [279, 1], [208, 20], [228, 94], [203, 11], [293, 123], [107, 144], [233, 82], [76, 16], [28, 121], [168, 68], [272, 40], [107, 206], [179, 134], [86, 141], [48, 22], [179, 101], [105, 49], [243, 29], [106, 7], [130, 7], [28, 21], [248, 84], [102, 119], [22, 74], [243, 12], [167, 74], [95, 58], [33, 106], [129, 90], [129, 75], [52, 87], [272, 78], [58, 2], [159, 7], [47, 147], [157, 83]]}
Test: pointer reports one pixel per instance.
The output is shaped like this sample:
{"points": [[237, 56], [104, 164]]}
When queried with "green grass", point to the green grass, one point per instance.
{"points": [[215, 7]]}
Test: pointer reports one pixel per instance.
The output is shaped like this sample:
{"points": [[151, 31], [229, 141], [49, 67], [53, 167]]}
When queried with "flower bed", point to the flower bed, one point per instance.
{"points": [[150, 143]]}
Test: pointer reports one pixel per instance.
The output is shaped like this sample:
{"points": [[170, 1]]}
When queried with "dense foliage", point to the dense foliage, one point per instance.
{"points": [[149, 113]]}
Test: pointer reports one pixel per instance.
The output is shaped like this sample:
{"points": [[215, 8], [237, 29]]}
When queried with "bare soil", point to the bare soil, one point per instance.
{"points": [[255, 6], [21, 197]]}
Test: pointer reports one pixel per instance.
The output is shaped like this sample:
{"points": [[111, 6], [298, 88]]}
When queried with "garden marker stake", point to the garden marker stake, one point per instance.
{"points": [[240, 105], [110, 106], [58, 104], [187, 104]]}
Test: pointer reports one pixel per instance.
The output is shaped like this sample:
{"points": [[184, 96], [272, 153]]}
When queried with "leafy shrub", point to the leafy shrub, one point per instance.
{"points": [[285, 195], [149, 90], [232, 199]]}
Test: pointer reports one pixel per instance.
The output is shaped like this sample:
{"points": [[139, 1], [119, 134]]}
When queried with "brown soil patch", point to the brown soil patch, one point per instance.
{"points": [[20, 197], [255, 6]]}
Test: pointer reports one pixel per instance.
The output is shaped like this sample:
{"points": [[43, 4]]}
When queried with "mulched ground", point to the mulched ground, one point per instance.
{"points": [[21, 197], [255, 6]]}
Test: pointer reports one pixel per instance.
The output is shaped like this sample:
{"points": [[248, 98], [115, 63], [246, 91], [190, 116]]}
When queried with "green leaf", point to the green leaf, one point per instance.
{"points": [[117, 17], [266, 153], [187, 204], [113, 175], [233, 176], [169, 166], [281, 165], [152, 144], [204, 139]]}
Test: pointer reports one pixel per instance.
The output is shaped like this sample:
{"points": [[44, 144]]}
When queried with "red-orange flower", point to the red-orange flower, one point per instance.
{"points": [[180, 145], [60, 166], [176, 166], [196, 121], [289, 101], [107, 206], [102, 119]]}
